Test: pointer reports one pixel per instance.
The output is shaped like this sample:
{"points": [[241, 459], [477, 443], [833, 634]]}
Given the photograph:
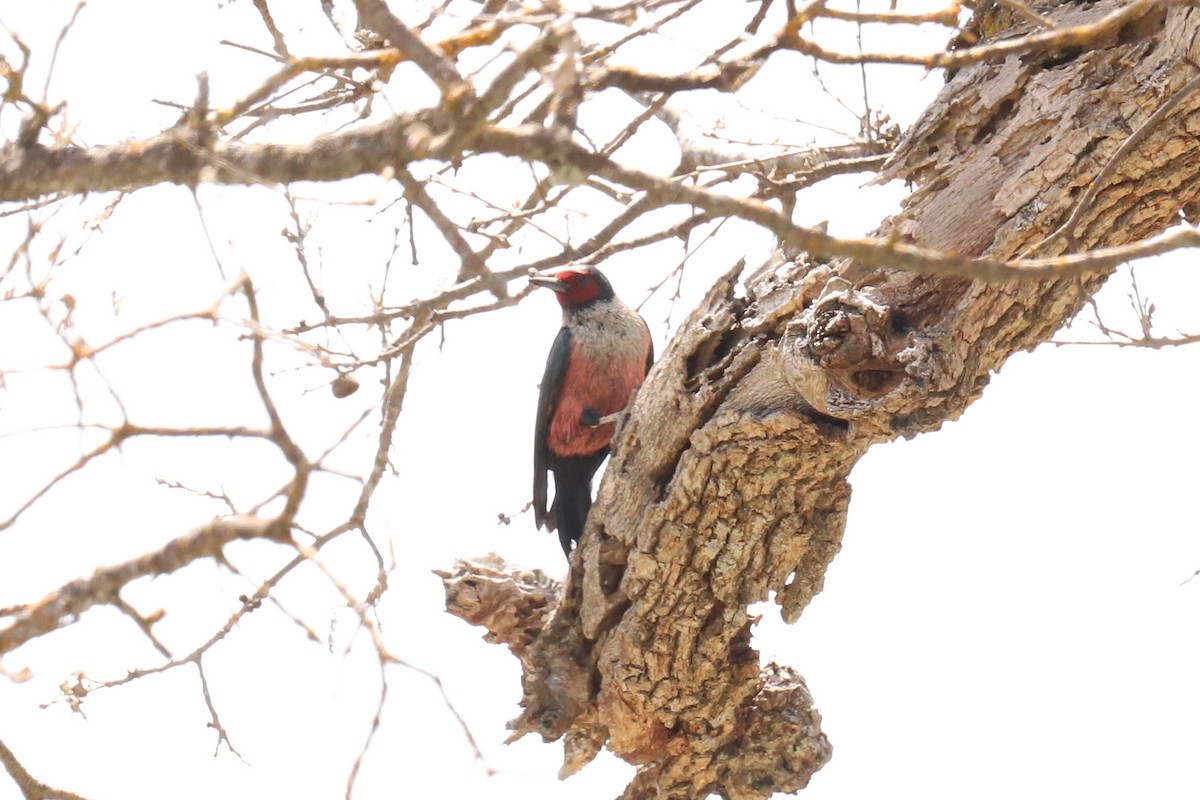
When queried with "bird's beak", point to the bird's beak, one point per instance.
{"points": [[548, 281]]}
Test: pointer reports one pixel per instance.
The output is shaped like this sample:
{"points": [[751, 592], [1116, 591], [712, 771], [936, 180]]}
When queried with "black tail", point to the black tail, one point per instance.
{"points": [[573, 496]]}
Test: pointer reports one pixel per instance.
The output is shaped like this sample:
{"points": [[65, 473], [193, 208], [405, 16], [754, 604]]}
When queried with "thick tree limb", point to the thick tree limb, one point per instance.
{"points": [[728, 484], [177, 156]]}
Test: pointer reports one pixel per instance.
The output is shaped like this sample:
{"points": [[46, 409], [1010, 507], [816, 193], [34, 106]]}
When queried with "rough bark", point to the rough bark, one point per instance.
{"points": [[728, 484]]}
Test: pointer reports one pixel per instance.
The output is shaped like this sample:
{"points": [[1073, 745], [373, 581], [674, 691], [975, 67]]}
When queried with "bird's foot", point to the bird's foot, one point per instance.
{"points": [[591, 419]]}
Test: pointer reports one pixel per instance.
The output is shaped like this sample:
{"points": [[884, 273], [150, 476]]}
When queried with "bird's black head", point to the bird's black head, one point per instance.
{"points": [[578, 287]]}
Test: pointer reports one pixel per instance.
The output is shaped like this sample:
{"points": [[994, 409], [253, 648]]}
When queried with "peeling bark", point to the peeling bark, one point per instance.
{"points": [[728, 484]]}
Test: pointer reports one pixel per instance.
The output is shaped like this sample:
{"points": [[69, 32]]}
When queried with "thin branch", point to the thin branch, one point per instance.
{"points": [[1144, 309], [250, 603], [472, 266], [66, 604], [701, 151], [146, 624], [215, 723], [116, 437], [297, 238], [386, 658], [269, 21], [551, 146], [725, 77], [829, 169], [947, 17], [1027, 12], [375, 59], [1054, 39], [374, 728], [279, 435], [393, 402], [1145, 342], [1067, 230], [376, 15], [62, 35], [651, 25]]}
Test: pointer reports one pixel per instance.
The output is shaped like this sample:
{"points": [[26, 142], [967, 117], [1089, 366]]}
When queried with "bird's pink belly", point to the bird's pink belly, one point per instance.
{"points": [[568, 435]]}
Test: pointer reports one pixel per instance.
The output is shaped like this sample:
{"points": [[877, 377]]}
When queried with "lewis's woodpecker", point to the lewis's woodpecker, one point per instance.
{"points": [[598, 359]]}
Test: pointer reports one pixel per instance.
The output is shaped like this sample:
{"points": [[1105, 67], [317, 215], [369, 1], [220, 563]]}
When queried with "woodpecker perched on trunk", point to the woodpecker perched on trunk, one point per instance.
{"points": [[600, 356]]}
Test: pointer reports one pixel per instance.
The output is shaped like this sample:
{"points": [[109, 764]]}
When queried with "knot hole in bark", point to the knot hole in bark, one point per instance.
{"points": [[842, 353]]}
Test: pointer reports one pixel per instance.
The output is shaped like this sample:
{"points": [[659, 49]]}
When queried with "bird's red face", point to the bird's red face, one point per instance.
{"points": [[576, 288]]}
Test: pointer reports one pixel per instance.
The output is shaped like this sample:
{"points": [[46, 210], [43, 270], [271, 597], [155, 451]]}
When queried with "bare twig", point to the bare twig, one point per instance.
{"points": [[1027, 12], [1053, 39], [215, 722], [279, 435], [947, 16], [472, 266], [544, 144], [297, 237], [703, 151], [62, 35], [269, 21], [374, 728], [375, 59], [116, 437], [1144, 310]]}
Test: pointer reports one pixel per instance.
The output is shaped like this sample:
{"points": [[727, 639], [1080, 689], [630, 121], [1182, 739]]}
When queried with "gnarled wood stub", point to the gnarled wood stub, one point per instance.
{"points": [[729, 481]]}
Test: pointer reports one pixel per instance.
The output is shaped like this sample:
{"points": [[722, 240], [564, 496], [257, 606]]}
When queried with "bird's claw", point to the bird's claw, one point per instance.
{"points": [[591, 419]]}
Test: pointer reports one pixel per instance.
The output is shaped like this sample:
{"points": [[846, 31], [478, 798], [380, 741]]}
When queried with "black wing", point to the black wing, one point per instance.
{"points": [[556, 368], [650, 351]]}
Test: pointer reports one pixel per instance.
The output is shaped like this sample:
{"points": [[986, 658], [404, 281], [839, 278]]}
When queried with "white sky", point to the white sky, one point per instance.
{"points": [[1006, 617]]}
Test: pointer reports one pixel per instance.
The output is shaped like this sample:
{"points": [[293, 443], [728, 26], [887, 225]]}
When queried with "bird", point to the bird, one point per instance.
{"points": [[598, 360]]}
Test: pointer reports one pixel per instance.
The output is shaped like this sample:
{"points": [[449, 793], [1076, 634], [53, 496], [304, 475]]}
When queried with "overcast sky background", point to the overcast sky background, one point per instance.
{"points": [[1008, 616]]}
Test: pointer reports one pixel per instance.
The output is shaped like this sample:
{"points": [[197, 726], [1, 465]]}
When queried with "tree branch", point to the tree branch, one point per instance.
{"points": [[175, 156], [66, 604], [30, 787]]}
